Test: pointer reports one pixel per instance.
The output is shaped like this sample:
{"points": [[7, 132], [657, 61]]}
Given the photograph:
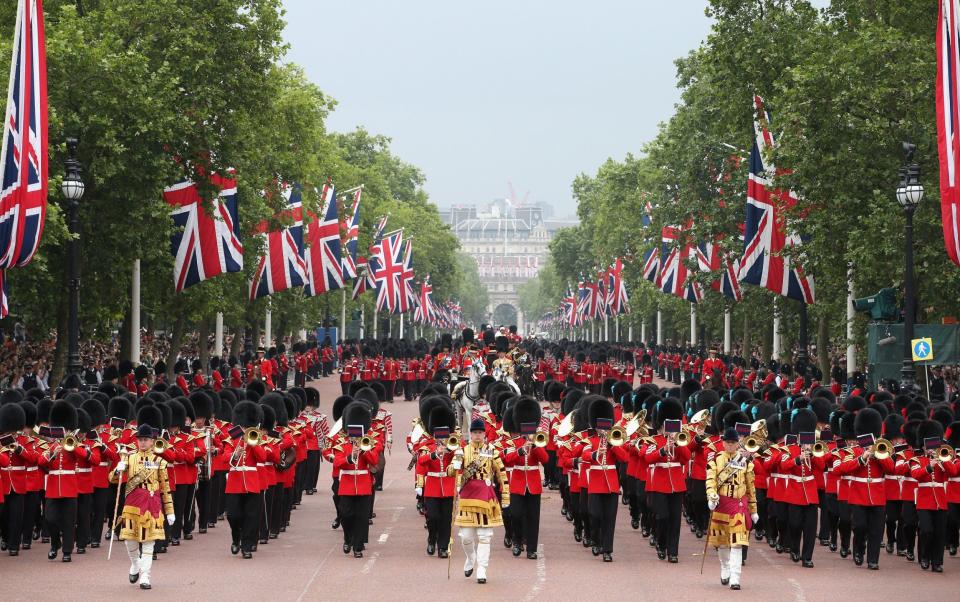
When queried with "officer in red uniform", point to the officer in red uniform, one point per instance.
{"points": [[523, 464], [60, 466], [666, 479], [348, 371], [408, 375], [800, 494], [355, 459], [243, 481], [932, 475], [391, 372], [12, 421], [236, 379], [434, 459]]}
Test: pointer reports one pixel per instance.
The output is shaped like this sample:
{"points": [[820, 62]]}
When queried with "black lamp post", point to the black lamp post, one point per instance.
{"points": [[909, 195], [73, 189]]}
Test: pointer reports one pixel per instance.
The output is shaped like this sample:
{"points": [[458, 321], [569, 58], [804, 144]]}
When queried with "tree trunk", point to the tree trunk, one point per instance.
{"points": [[59, 368], [175, 340], [823, 347], [124, 333], [204, 329], [236, 345]]}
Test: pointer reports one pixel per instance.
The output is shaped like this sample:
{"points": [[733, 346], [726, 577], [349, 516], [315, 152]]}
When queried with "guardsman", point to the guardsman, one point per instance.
{"points": [[355, 458], [16, 459], [477, 468], [435, 456], [243, 482], [801, 496], [524, 461], [932, 474], [59, 461], [732, 500], [666, 483]]}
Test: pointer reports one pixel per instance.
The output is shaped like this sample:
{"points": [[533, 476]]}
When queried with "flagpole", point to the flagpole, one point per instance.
{"points": [[363, 318], [727, 329], [693, 324], [343, 312], [375, 325], [643, 331], [218, 335], [401, 326], [659, 327], [268, 326], [135, 314], [776, 331], [606, 329], [616, 328]]}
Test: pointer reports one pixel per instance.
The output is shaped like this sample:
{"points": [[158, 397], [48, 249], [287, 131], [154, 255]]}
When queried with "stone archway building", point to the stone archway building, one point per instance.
{"points": [[509, 245]]}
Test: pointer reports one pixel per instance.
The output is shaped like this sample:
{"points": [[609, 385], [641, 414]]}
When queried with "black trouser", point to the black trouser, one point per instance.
{"points": [[12, 508], [525, 510], [181, 497], [312, 470], [823, 533], [378, 476], [953, 525], [551, 472], [299, 481], [844, 524], [84, 509], [203, 514], [603, 519], [286, 505], [101, 501], [299, 379], [584, 513], [276, 509], [335, 487], [933, 527], [802, 527], [409, 389], [760, 525], [867, 530], [60, 518], [833, 512], [907, 537], [439, 516], [218, 503], [266, 503], [894, 522], [344, 387], [573, 507], [242, 516], [31, 515], [666, 508], [772, 522], [327, 368], [630, 489], [699, 512], [354, 518]]}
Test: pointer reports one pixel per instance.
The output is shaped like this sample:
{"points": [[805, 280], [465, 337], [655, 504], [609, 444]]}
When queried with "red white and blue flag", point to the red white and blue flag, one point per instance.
{"points": [[766, 261], [408, 298], [205, 242], [322, 257], [387, 270], [712, 259], [617, 300], [361, 283], [23, 197], [570, 309], [351, 230], [673, 271], [4, 300], [282, 266], [424, 313], [948, 124]]}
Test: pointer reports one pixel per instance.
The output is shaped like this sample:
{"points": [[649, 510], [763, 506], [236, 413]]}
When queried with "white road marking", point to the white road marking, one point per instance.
{"points": [[315, 573], [369, 564], [383, 538], [798, 590], [541, 581]]}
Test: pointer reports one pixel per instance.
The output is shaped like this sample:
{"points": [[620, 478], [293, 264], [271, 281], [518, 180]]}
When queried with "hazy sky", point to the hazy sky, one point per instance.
{"points": [[479, 94]]}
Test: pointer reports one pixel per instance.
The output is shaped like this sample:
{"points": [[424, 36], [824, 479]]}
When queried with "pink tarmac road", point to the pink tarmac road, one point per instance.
{"points": [[307, 563]]}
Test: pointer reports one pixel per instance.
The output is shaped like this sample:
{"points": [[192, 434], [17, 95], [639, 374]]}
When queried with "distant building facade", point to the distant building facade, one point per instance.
{"points": [[509, 245]]}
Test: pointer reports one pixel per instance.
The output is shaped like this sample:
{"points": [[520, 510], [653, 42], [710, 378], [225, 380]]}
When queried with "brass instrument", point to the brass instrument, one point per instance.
{"points": [[945, 453], [616, 436], [366, 443], [69, 442], [751, 444], [453, 442], [819, 449], [160, 446], [252, 436], [682, 439], [699, 421], [539, 439], [638, 423], [566, 425], [759, 429], [882, 449]]}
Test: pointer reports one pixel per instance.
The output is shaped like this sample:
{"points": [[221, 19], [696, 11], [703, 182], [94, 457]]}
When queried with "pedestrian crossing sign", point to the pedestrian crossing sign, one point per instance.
{"points": [[922, 349]]}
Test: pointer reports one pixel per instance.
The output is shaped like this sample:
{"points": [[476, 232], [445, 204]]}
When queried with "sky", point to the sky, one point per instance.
{"points": [[478, 95]]}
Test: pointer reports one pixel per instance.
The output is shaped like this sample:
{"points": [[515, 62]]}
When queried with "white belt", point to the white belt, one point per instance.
{"points": [[954, 479], [666, 465], [261, 464], [799, 479], [439, 475], [60, 472], [104, 464], [243, 468], [865, 480], [16, 468], [944, 485], [84, 470], [354, 472], [526, 467], [604, 467], [31, 468]]}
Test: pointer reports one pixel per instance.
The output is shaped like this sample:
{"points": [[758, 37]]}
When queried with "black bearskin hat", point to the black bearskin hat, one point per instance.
{"points": [[202, 404], [503, 344], [339, 404], [178, 413], [510, 424], [141, 372], [732, 418], [94, 409], [803, 421], [247, 414], [269, 421], [868, 422], [668, 409], [467, 334], [84, 424], [952, 434], [30, 414], [12, 418], [893, 426], [688, 388], [927, 429], [11, 396], [355, 386], [847, 429], [822, 407], [442, 416], [150, 415], [370, 397], [619, 389], [552, 391], [63, 414], [718, 412], [275, 401], [357, 413], [527, 410], [380, 390], [257, 387], [570, 399], [427, 404]]}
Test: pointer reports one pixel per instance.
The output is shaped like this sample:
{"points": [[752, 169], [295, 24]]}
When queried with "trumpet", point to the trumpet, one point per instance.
{"points": [[882, 449], [453, 442], [615, 436], [160, 446], [682, 439], [252, 436], [539, 439], [819, 449], [69, 443], [751, 444], [366, 443], [945, 453]]}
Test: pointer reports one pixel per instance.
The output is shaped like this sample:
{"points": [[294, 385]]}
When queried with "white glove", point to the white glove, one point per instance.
{"points": [[755, 518], [457, 464], [418, 490], [121, 466], [505, 506], [712, 504], [171, 519]]}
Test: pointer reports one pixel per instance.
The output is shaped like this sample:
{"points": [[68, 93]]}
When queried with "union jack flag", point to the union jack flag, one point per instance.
{"points": [[570, 308], [4, 300], [673, 273], [948, 117], [362, 281], [765, 235], [651, 265], [712, 259], [351, 230], [585, 298], [204, 244], [282, 265], [387, 269], [617, 300], [408, 299], [322, 259], [424, 312], [23, 197]]}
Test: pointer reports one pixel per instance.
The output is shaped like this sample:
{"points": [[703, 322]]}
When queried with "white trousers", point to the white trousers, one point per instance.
{"points": [[731, 563], [140, 562], [476, 549]]}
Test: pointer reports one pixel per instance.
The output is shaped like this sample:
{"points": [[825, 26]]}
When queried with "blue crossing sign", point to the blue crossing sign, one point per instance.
{"points": [[922, 349]]}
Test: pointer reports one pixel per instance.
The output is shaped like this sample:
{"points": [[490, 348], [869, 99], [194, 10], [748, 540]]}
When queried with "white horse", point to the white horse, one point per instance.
{"points": [[466, 393]]}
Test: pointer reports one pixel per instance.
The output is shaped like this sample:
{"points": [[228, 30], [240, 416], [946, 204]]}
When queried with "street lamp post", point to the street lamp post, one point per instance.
{"points": [[909, 195], [73, 189]]}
